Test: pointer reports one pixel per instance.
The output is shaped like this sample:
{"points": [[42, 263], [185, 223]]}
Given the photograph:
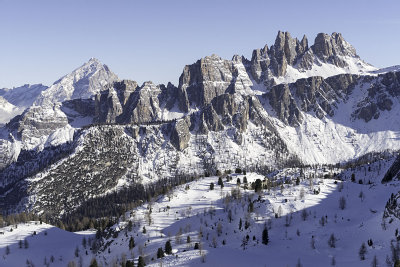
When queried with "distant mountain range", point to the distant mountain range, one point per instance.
{"points": [[91, 133]]}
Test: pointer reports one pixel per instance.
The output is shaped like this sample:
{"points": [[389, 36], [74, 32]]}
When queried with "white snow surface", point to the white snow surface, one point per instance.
{"points": [[322, 69], [193, 208]]}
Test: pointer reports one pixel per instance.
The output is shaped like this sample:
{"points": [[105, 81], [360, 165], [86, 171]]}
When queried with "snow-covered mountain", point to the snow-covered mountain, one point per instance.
{"points": [[82, 83], [14, 101], [289, 104]]}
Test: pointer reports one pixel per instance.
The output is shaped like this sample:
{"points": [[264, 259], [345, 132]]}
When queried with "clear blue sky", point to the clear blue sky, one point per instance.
{"points": [[42, 40]]}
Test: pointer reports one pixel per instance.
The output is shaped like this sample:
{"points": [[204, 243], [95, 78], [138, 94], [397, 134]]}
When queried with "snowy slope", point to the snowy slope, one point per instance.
{"points": [[7, 111], [325, 70], [193, 208]]}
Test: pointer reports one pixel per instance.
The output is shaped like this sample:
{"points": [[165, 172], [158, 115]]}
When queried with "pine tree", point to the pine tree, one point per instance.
{"points": [[188, 239], [141, 262], [332, 241], [212, 186], [131, 243], [160, 253], [362, 251], [93, 263], [84, 242], [342, 203], [251, 207], [76, 252], [220, 182], [265, 238], [168, 247], [258, 186]]}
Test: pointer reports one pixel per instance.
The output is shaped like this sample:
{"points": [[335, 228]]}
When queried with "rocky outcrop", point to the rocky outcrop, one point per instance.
{"points": [[380, 96], [281, 100], [392, 207], [206, 79], [126, 102], [328, 47], [180, 135], [315, 94]]}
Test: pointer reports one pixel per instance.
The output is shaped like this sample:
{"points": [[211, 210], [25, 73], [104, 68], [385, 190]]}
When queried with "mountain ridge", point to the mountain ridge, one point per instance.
{"points": [[223, 114]]}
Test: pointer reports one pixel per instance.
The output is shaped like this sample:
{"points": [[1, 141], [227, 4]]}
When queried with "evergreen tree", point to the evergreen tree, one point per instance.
{"points": [[188, 239], [93, 263], [342, 203], [131, 243], [76, 252], [265, 238], [168, 247], [238, 181], [362, 251], [144, 229], [220, 182], [141, 262], [332, 241], [212, 186], [258, 186], [160, 253], [245, 180], [251, 207], [84, 242]]}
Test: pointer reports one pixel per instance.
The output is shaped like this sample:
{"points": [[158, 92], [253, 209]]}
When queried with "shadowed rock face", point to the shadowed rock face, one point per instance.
{"points": [[314, 94]]}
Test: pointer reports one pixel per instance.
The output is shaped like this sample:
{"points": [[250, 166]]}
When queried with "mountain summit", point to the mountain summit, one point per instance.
{"points": [[83, 82]]}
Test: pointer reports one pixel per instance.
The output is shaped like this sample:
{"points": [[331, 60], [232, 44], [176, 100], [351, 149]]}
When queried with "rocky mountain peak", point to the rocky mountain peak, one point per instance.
{"points": [[83, 82], [326, 46]]}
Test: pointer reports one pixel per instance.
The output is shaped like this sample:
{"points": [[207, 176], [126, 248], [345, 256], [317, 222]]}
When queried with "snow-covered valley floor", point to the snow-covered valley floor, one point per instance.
{"points": [[305, 220]]}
